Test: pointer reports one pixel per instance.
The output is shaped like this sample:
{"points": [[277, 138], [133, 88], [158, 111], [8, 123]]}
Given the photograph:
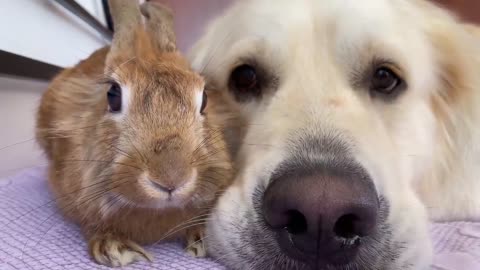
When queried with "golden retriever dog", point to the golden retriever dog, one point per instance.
{"points": [[361, 122]]}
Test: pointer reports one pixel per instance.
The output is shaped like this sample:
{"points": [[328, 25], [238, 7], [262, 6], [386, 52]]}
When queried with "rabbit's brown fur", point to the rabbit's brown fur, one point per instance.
{"points": [[99, 162]]}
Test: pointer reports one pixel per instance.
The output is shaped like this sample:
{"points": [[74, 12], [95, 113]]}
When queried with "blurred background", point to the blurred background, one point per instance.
{"points": [[41, 36]]}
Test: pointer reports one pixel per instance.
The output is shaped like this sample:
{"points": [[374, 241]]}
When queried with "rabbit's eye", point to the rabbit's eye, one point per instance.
{"points": [[114, 96], [204, 102]]}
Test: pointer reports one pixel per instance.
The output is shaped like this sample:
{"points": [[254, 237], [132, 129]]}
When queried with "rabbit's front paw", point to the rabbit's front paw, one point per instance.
{"points": [[116, 252], [195, 244]]}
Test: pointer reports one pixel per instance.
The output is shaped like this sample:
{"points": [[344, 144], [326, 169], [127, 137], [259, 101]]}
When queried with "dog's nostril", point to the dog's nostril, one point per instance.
{"points": [[296, 222], [346, 226]]}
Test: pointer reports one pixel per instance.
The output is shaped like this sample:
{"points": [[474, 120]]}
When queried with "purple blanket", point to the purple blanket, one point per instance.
{"points": [[33, 235]]}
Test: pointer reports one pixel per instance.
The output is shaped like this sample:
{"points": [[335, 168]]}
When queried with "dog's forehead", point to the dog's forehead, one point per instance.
{"points": [[343, 35], [373, 15], [310, 24]]}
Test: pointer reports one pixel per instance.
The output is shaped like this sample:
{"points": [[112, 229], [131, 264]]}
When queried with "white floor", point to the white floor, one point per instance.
{"points": [[18, 104]]}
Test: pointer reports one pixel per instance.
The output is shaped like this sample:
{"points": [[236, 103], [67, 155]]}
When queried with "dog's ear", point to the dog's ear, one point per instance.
{"points": [[456, 50], [457, 55], [454, 101], [473, 29]]}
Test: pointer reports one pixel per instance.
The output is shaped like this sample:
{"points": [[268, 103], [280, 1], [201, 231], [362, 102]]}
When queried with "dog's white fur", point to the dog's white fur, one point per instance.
{"points": [[421, 148]]}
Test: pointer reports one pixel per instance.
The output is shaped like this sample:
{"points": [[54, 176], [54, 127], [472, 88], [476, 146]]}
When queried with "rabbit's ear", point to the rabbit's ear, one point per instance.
{"points": [[126, 18], [159, 25]]}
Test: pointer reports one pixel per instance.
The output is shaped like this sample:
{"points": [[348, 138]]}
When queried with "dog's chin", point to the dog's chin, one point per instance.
{"points": [[252, 247], [239, 238]]}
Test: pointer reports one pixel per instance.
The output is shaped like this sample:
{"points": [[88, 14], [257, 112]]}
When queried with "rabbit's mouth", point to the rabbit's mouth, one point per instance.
{"points": [[150, 192], [174, 194]]}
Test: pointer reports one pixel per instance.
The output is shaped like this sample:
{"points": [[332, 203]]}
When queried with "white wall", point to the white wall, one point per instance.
{"points": [[18, 105], [44, 30]]}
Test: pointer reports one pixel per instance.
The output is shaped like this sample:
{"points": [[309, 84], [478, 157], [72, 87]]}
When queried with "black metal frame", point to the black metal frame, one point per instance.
{"points": [[19, 66], [80, 12], [108, 16]]}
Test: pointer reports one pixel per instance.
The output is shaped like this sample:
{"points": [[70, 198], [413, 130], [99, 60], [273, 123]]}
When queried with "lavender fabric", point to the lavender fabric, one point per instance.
{"points": [[33, 235]]}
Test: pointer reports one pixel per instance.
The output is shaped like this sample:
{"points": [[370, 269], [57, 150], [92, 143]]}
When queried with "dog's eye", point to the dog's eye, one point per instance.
{"points": [[114, 96], [204, 102], [385, 81], [252, 81], [244, 78]]}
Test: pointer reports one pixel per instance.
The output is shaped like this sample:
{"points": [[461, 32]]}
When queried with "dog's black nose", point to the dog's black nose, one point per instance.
{"points": [[321, 214]]}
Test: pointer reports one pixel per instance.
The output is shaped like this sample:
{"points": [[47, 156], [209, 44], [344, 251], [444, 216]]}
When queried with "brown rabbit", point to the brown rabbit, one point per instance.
{"points": [[135, 155]]}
